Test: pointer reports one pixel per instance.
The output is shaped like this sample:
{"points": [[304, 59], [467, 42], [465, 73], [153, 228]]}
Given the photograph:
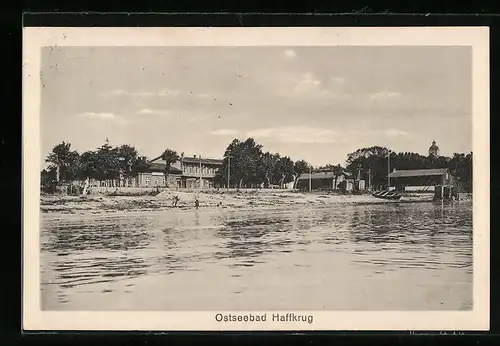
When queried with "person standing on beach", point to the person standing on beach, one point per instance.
{"points": [[175, 200]]}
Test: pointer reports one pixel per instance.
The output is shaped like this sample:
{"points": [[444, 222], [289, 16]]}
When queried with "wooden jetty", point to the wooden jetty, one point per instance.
{"points": [[445, 192]]}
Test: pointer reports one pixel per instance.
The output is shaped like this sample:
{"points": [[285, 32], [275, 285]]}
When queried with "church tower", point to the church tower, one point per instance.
{"points": [[434, 149]]}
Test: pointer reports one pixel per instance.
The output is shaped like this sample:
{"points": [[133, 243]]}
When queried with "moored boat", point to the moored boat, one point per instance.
{"points": [[389, 195]]}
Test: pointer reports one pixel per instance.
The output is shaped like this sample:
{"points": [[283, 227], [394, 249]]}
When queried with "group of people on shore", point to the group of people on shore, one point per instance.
{"points": [[176, 199]]}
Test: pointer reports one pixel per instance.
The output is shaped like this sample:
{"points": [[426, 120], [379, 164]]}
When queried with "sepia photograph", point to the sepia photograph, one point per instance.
{"points": [[256, 178]]}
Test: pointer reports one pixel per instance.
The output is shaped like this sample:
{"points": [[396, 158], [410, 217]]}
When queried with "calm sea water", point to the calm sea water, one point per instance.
{"points": [[383, 257]]}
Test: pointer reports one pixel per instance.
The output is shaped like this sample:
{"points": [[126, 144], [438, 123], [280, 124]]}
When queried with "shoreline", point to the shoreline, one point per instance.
{"points": [[95, 205]]}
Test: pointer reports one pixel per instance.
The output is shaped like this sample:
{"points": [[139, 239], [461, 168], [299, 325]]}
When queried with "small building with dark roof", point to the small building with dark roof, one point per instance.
{"points": [[319, 181], [420, 179]]}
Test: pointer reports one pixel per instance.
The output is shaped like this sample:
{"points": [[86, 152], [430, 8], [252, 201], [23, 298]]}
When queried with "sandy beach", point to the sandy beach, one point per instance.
{"points": [[249, 199]]}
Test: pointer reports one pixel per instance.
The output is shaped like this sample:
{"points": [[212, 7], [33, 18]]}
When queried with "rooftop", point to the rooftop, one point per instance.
{"points": [[203, 161], [188, 159], [319, 175], [418, 172], [160, 167]]}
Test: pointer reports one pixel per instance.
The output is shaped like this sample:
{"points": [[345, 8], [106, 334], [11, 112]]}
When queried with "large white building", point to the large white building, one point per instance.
{"points": [[188, 172]]}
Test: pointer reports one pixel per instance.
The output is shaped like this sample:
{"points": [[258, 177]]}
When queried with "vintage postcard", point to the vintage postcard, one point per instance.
{"points": [[180, 179]]}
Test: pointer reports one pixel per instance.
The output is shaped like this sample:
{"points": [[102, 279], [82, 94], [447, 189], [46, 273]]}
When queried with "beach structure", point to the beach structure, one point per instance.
{"points": [[347, 184], [442, 192], [423, 180], [188, 172], [319, 181]]}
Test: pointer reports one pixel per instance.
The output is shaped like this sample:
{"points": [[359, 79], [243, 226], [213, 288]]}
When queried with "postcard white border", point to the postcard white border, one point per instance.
{"points": [[36, 37]]}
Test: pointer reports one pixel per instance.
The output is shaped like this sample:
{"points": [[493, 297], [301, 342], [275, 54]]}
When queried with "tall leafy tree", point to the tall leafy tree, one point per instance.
{"points": [[109, 161], [140, 165], [461, 167], [372, 159], [220, 178], [244, 159], [467, 172], [300, 167], [127, 156], [90, 166], [267, 166], [252, 153], [337, 170], [47, 177], [169, 156], [64, 161], [365, 153], [232, 168], [284, 171]]}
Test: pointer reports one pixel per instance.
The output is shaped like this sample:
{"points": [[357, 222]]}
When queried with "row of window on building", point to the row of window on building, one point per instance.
{"points": [[196, 170]]}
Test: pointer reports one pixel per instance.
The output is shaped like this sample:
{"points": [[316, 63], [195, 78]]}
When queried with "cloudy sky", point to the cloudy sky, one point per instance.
{"points": [[312, 103]]}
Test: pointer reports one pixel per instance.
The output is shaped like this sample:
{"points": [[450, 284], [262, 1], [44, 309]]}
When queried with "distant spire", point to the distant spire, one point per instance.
{"points": [[434, 149]]}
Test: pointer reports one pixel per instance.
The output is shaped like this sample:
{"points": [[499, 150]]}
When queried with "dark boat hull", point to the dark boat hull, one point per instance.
{"points": [[387, 195]]}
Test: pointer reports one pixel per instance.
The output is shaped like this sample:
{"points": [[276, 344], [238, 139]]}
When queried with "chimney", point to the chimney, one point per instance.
{"points": [[194, 156]]}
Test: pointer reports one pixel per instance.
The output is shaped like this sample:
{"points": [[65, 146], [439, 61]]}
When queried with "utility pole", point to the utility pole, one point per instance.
{"points": [[228, 171], [388, 170], [310, 178], [201, 181], [369, 178], [359, 178]]}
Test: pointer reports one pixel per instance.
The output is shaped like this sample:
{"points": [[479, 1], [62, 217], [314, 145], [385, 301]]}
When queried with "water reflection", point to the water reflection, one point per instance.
{"points": [[401, 224], [422, 235], [93, 236], [98, 270], [169, 261], [369, 240], [247, 238]]}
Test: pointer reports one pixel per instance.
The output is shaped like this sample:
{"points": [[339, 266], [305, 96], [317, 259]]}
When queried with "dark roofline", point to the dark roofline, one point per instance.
{"points": [[418, 172], [160, 167], [320, 175], [191, 160], [205, 161]]}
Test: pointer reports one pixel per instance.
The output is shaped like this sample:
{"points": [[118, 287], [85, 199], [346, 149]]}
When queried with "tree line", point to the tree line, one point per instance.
{"points": [[245, 164], [104, 163]]}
